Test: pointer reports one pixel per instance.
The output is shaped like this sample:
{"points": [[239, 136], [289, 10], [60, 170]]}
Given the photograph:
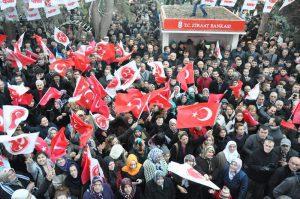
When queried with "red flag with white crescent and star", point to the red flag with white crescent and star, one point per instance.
{"points": [[197, 115], [186, 76], [59, 145]]}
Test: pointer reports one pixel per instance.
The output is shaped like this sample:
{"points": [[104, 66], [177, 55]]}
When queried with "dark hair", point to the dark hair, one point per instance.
{"points": [[264, 127]]}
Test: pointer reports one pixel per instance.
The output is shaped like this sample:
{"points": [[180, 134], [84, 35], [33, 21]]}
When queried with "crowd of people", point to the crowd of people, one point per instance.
{"points": [[245, 161]]}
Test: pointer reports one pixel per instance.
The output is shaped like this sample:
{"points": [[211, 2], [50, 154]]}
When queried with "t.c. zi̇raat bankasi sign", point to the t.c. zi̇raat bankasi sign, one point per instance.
{"points": [[204, 25]]}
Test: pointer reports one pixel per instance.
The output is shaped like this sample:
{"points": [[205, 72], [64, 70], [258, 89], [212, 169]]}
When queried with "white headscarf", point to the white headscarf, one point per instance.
{"points": [[239, 164], [230, 156]]}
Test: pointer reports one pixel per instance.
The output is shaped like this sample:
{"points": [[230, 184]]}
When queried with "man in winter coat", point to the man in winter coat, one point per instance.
{"points": [[261, 165]]}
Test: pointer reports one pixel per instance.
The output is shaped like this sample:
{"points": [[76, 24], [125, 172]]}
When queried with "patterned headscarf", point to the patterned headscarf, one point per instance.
{"points": [[155, 154], [127, 181]]}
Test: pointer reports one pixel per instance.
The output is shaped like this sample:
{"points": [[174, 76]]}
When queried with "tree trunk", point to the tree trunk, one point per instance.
{"points": [[95, 18], [107, 18], [264, 23]]}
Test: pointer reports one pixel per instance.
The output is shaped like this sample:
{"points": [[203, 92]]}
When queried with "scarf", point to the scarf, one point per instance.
{"points": [[92, 192], [128, 169], [127, 181], [67, 165], [239, 163], [228, 155]]}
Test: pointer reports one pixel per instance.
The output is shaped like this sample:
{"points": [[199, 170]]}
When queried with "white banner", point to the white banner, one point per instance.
{"points": [[7, 4], [228, 3], [269, 4], [51, 11], [11, 14], [211, 3], [71, 5], [13, 116], [21, 144], [88, 1], [249, 4], [61, 37], [32, 14], [285, 3], [36, 3]]}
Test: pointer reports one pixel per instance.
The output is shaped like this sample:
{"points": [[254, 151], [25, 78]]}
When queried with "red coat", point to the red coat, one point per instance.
{"points": [[203, 82]]}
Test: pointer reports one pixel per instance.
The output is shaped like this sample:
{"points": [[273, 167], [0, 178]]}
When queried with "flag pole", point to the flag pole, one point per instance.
{"points": [[144, 107]]}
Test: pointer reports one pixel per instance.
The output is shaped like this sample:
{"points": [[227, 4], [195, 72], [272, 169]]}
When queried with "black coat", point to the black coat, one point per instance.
{"points": [[153, 191], [258, 162]]}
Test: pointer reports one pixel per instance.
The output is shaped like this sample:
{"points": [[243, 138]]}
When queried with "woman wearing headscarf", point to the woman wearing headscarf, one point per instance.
{"points": [[235, 179], [160, 187], [225, 157], [133, 170], [128, 190], [73, 182], [186, 189], [154, 162], [39, 169], [98, 190], [112, 173]]}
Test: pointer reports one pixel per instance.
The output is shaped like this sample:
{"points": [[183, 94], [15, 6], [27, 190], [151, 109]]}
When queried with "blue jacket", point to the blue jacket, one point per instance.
{"points": [[107, 193], [238, 185]]}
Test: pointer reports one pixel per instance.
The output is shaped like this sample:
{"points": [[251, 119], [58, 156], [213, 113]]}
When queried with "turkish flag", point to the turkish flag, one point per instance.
{"points": [[85, 174], [215, 98], [21, 144], [296, 114], [125, 102], [158, 71], [81, 86], [95, 169], [59, 145], [42, 146], [100, 106], [81, 62], [19, 43], [186, 76], [61, 66], [188, 172], [288, 125], [87, 98], [249, 118], [197, 115], [113, 86], [165, 91], [236, 89], [96, 87], [39, 41], [24, 59], [25, 99], [1, 121], [18, 59], [61, 37], [106, 51], [127, 74], [81, 127], [12, 117], [87, 49], [50, 94], [101, 121], [31, 54], [2, 38], [160, 101]]}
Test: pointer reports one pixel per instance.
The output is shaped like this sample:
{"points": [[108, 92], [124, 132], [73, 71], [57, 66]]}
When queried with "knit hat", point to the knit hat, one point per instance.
{"points": [[21, 194], [116, 151], [285, 141]]}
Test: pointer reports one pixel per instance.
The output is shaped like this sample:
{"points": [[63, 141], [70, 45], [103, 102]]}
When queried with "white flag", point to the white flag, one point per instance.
{"points": [[51, 10], [127, 74], [70, 5], [36, 3], [211, 3], [228, 3], [95, 169], [249, 4], [18, 89], [19, 43], [101, 121], [21, 144], [285, 3], [32, 14], [253, 93], [218, 51], [11, 14], [61, 37], [13, 116], [269, 4], [187, 172], [88, 1], [7, 4], [157, 69], [113, 86]]}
